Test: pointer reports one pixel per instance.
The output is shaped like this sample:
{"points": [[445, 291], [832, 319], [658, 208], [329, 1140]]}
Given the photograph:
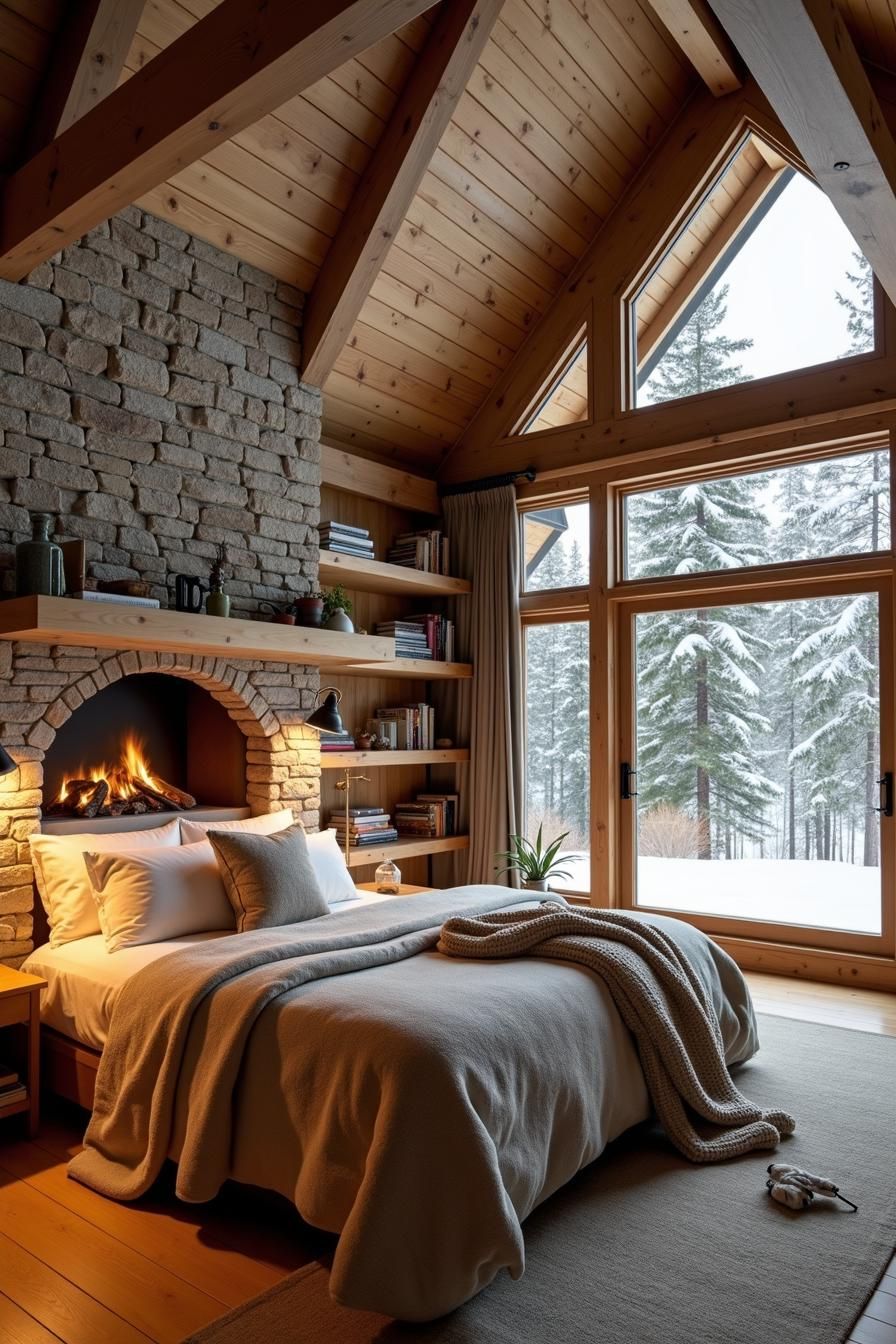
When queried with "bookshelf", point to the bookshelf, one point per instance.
{"points": [[383, 592], [379, 760]]}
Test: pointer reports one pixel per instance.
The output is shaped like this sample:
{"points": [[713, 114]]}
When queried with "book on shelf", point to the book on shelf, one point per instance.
{"points": [[12, 1094], [346, 540], [115, 599], [405, 727], [343, 741], [425, 550], [429, 635], [432, 815], [8, 1076]]}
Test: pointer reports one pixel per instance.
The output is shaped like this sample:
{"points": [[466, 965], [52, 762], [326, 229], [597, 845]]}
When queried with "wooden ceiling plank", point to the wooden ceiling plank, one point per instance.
{"points": [[804, 60], [369, 417], [401, 386], [664, 94], [391, 179], [176, 108], [349, 428], [702, 39], [413, 270], [400, 292], [476, 176], [454, 359], [414, 418], [410, 359], [342, 471], [171, 202]]}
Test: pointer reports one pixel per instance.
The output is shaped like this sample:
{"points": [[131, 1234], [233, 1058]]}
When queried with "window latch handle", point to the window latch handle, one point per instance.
{"points": [[626, 775], [885, 784]]}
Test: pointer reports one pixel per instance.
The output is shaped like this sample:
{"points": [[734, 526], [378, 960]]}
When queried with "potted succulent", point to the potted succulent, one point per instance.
{"points": [[336, 610], [535, 861]]}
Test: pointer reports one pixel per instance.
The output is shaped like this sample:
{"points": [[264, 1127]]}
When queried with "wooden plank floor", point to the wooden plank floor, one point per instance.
{"points": [[80, 1269]]}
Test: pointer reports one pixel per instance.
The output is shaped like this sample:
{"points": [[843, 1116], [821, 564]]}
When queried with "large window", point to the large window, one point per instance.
{"points": [[557, 744], [758, 760], [764, 278], [839, 506]]}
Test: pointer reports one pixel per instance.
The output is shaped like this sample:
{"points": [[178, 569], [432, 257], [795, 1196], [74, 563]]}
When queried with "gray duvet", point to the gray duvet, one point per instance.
{"points": [[420, 1106]]}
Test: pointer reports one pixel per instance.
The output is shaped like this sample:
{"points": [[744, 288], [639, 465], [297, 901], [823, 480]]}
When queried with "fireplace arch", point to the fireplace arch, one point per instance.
{"points": [[42, 687]]}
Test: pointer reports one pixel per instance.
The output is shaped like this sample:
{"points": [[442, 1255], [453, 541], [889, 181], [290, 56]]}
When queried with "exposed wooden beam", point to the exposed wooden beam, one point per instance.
{"points": [[387, 188], [88, 57], [702, 39], [243, 60], [804, 60]]}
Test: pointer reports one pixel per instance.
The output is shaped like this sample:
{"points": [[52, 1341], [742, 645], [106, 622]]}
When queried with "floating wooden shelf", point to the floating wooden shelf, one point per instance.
{"points": [[63, 620], [407, 849], [412, 669], [375, 760], [375, 576]]}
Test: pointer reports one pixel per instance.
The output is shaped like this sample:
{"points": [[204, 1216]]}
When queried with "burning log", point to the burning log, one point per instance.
{"points": [[166, 793], [129, 788]]}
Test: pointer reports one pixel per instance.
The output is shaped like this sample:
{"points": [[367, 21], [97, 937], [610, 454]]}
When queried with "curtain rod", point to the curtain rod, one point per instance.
{"points": [[488, 482]]}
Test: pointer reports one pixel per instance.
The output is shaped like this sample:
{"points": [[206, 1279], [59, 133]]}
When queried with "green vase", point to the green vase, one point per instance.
{"points": [[39, 561], [217, 604]]}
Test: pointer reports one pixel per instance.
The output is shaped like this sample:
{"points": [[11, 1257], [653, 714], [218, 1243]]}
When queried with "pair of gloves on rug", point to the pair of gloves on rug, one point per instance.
{"points": [[796, 1188]]}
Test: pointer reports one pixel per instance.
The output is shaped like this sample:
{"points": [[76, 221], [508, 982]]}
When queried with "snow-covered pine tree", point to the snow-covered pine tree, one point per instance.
{"points": [[700, 359], [860, 307]]}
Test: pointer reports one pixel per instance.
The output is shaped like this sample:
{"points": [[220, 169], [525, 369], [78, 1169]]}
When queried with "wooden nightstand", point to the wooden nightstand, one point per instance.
{"points": [[406, 888], [20, 1003]]}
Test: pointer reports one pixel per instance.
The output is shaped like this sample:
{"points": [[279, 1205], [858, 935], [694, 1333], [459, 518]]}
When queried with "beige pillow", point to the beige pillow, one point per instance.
{"points": [[269, 879], [191, 832], [62, 880], [149, 896]]}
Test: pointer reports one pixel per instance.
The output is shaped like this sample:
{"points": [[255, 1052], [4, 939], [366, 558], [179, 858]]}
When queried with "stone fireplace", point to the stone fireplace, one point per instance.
{"points": [[150, 400], [42, 688]]}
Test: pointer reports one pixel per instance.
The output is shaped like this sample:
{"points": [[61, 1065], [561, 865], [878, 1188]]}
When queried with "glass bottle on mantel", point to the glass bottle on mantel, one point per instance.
{"points": [[387, 878], [39, 561]]}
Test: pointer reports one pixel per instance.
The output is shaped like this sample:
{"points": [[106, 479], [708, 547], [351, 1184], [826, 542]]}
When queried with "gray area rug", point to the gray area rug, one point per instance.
{"points": [[644, 1248]]}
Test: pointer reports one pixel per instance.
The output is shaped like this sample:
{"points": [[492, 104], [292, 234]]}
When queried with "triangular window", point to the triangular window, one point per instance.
{"points": [[763, 279], [563, 399]]}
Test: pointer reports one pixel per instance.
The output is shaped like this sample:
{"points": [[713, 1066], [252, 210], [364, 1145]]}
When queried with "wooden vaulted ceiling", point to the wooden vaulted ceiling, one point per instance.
{"points": [[566, 104]]}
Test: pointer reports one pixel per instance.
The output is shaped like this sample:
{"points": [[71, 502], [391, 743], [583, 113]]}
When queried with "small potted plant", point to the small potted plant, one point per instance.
{"points": [[535, 861], [336, 610], [309, 610]]}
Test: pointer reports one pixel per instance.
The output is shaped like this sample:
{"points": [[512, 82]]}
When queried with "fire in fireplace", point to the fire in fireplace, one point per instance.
{"points": [[130, 788]]}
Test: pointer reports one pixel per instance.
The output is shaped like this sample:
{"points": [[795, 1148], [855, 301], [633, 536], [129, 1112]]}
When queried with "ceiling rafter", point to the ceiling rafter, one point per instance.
{"points": [[88, 57], [240, 62], [702, 39], [387, 189], [804, 60]]}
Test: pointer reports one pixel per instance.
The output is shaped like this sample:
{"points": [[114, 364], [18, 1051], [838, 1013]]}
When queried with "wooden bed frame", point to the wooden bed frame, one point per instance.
{"points": [[68, 1069]]}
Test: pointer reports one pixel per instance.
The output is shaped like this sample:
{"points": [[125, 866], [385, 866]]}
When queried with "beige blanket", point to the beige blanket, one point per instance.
{"points": [[418, 1105], [663, 1003]]}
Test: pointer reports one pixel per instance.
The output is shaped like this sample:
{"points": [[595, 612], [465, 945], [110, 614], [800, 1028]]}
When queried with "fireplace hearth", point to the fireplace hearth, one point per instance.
{"points": [[146, 745]]}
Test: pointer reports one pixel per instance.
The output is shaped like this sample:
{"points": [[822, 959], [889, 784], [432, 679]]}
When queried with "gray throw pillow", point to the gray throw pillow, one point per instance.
{"points": [[269, 879]]}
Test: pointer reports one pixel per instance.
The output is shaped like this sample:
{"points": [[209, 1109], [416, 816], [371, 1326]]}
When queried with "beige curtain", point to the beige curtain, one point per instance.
{"points": [[483, 528]]}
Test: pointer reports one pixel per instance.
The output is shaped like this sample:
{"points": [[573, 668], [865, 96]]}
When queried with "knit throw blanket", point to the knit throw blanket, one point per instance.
{"points": [[661, 1000]]}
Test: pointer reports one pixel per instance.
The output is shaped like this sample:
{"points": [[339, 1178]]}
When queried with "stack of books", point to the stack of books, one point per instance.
{"points": [[337, 741], [427, 636], [12, 1089], [431, 815], [420, 550], [405, 727], [366, 826], [410, 638], [346, 540]]}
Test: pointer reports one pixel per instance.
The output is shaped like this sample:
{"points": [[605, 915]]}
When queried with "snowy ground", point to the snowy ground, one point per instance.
{"points": [[798, 891]]}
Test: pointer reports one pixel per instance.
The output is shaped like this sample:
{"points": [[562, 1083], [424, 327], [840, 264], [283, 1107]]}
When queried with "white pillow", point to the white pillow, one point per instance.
{"points": [[267, 824], [328, 863], [150, 896], [62, 880]]}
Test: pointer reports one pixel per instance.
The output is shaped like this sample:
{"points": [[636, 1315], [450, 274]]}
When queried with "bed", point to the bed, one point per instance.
{"points": [[419, 1106]]}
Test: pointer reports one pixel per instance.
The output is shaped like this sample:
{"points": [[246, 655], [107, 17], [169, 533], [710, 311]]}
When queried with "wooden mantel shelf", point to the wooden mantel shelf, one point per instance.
{"points": [[63, 620]]}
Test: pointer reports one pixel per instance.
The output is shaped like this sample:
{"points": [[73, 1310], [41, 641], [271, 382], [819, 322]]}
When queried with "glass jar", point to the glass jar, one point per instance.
{"points": [[387, 878]]}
